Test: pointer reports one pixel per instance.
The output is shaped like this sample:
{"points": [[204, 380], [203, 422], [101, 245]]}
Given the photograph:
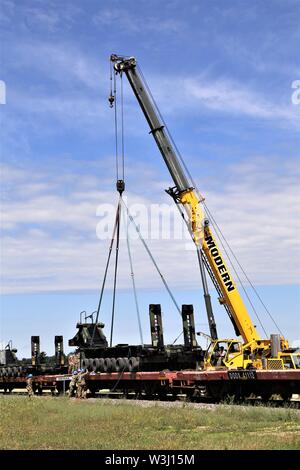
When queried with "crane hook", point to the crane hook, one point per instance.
{"points": [[111, 100]]}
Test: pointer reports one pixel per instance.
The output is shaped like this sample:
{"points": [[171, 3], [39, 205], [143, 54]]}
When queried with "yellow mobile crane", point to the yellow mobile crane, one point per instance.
{"points": [[253, 351]]}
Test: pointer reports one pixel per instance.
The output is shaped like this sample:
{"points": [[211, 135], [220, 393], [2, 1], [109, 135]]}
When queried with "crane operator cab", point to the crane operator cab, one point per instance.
{"points": [[222, 352], [233, 354], [291, 361]]}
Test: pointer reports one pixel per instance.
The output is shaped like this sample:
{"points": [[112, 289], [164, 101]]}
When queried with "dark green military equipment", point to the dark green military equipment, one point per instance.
{"points": [[96, 356]]}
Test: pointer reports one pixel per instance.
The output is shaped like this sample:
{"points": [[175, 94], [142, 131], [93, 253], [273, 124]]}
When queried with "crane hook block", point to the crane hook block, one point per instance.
{"points": [[120, 186], [111, 100]]}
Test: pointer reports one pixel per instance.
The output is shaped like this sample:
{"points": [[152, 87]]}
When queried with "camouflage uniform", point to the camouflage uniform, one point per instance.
{"points": [[81, 387], [29, 387], [73, 385], [73, 361]]}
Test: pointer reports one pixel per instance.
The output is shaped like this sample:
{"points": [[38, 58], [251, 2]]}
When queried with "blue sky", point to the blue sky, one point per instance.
{"points": [[221, 73]]}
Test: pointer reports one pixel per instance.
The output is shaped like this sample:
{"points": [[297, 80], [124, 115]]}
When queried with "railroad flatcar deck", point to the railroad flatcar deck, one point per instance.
{"points": [[213, 384]]}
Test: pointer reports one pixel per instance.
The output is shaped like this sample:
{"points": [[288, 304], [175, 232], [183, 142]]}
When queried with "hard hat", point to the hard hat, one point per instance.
{"points": [[29, 375], [75, 372]]}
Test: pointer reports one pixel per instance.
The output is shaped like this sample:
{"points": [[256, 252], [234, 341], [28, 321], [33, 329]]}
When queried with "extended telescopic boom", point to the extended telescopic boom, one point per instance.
{"points": [[185, 195]]}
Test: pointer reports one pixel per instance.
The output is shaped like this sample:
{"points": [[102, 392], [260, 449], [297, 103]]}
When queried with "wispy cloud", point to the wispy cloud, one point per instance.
{"points": [[61, 62], [69, 69], [125, 20], [33, 16], [230, 97], [7, 11], [49, 238]]}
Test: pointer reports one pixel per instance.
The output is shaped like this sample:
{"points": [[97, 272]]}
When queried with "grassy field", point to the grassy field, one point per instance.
{"points": [[59, 423]]}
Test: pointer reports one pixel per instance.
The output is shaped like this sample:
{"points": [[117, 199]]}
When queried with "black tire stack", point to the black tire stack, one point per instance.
{"points": [[111, 364]]}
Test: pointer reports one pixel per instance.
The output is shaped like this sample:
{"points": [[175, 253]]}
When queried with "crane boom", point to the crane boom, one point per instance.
{"points": [[186, 195]]}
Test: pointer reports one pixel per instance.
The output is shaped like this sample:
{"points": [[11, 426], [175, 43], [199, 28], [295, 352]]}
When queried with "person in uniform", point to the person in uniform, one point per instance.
{"points": [[73, 384], [221, 356], [29, 385], [81, 387]]}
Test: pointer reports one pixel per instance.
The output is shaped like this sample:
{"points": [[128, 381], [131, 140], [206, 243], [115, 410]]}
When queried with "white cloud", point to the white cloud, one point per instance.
{"points": [[232, 97], [59, 61], [125, 20], [38, 18], [49, 228], [6, 11], [71, 68], [71, 111]]}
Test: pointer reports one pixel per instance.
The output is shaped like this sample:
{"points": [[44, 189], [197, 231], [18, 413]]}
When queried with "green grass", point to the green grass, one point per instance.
{"points": [[59, 423]]}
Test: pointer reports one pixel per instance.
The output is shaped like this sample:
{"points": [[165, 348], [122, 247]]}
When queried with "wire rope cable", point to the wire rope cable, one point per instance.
{"points": [[116, 127], [122, 129], [131, 219], [105, 276], [133, 280], [115, 271], [217, 228]]}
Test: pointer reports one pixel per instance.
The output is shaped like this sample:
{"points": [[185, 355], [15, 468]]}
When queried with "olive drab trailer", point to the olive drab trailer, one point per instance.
{"points": [[11, 367], [97, 356]]}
